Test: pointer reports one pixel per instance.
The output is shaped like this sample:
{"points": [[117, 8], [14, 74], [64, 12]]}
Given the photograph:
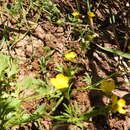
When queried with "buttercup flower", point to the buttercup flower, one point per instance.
{"points": [[91, 14], [129, 47], [118, 104], [70, 56], [121, 103], [75, 13], [107, 86], [60, 82]]}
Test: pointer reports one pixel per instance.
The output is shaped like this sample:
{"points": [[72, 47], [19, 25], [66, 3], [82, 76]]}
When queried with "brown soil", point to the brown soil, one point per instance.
{"points": [[99, 64]]}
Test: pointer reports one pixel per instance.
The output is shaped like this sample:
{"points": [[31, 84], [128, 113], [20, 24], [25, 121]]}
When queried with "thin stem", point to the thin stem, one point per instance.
{"points": [[90, 19], [91, 87], [58, 103]]}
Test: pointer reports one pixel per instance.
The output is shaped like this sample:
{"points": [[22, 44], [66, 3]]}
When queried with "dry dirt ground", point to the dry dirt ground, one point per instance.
{"points": [[99, 64]]}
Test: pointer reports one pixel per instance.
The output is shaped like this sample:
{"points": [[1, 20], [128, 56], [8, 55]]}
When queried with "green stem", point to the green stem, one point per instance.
{"points": [[58, 103], [91, 87], [90, 19], [31, 98], [88, 6]]}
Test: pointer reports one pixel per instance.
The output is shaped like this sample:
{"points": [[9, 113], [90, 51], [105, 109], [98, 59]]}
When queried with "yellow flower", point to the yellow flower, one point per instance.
{"points": [[121, 110], [117, 105], [129, 47], [70, 56], [60, 82], [121, 102], [58, 22], [75, 13], [91, 14], [107, 86]]}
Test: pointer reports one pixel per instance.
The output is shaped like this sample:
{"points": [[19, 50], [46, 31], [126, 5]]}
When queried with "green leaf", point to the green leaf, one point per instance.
{"points": [[117, 52], [28, 82], [13, 69], [87, 79], [40, 110], [4, 61]]}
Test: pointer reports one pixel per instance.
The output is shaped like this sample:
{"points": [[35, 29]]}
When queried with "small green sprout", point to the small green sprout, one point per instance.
{"points": [[59, 22]]}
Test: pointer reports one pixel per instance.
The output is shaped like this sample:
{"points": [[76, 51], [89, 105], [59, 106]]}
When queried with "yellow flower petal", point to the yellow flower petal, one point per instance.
{"points": [[70, 56], [121, 110], [62, 77], [117, 105], [91, 14], [129, 47], [75, 13], [53, 81], [107, 86], [121, 103], [60, 82]]}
